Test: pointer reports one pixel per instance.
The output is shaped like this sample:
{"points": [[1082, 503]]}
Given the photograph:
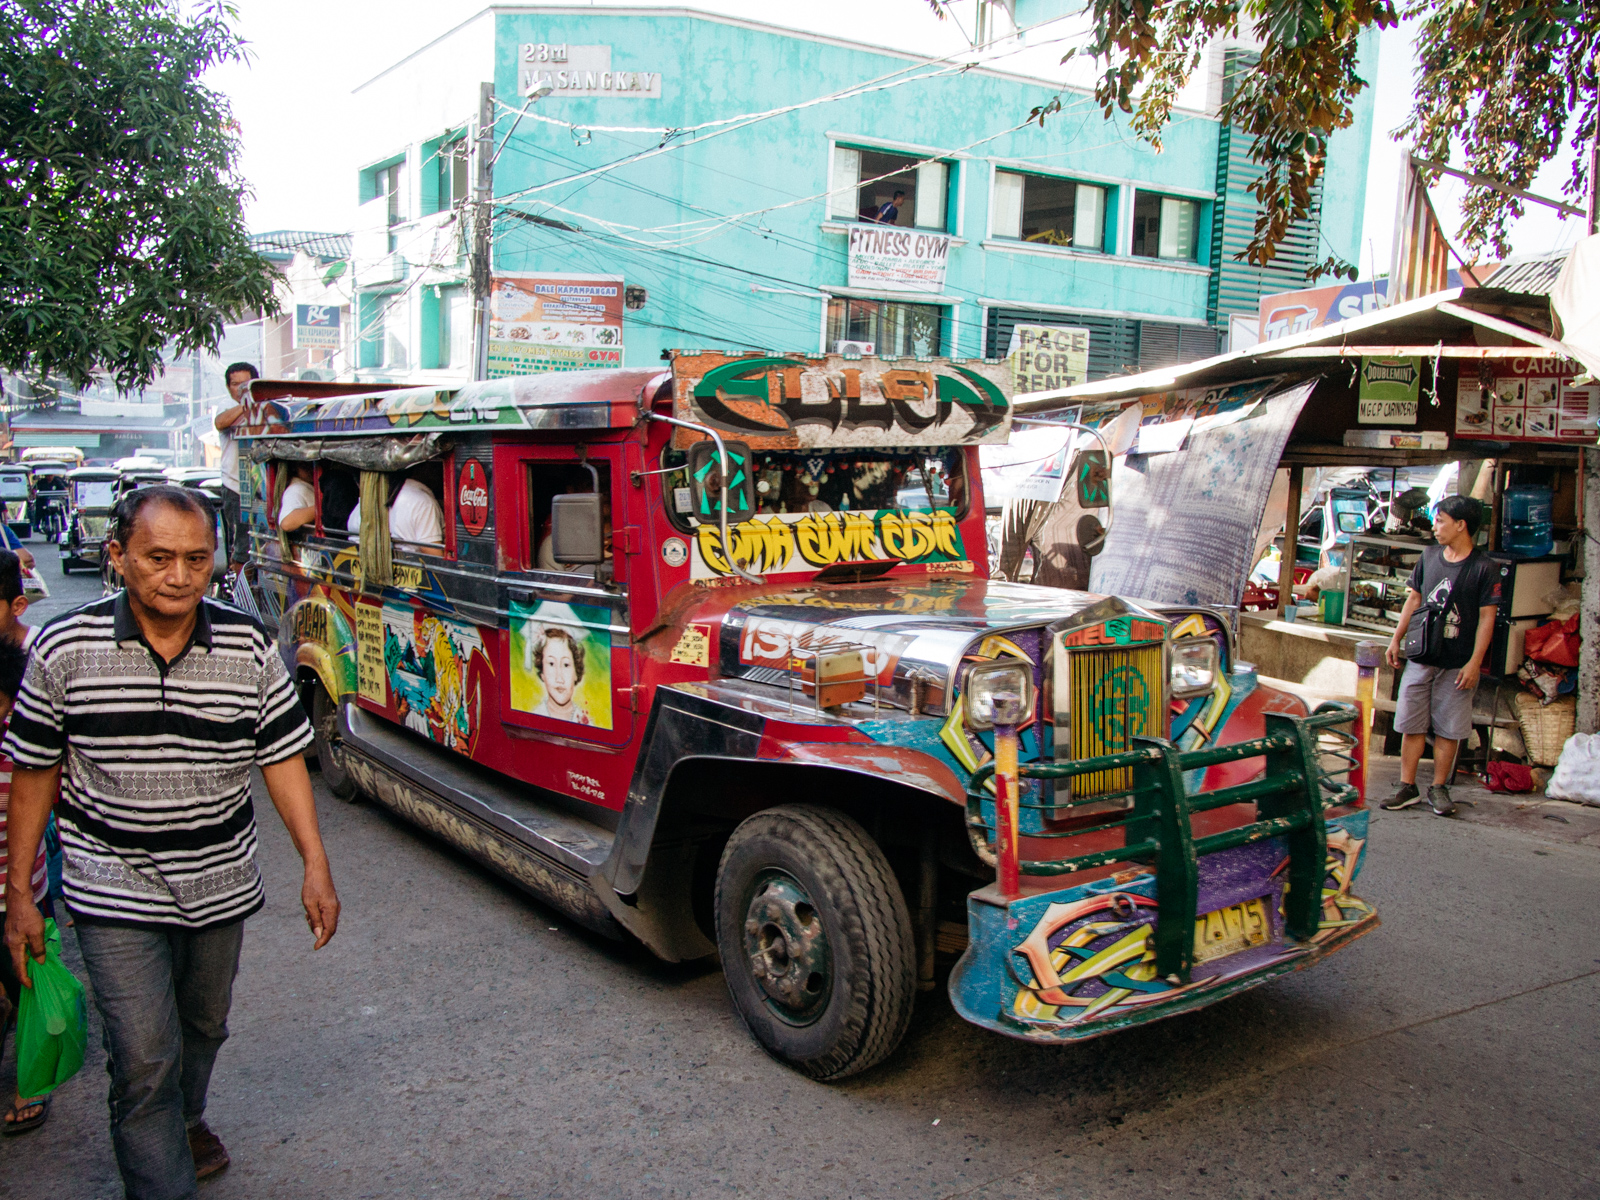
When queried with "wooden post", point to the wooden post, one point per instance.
{"points": [[1589, 618], [1291, 538]]}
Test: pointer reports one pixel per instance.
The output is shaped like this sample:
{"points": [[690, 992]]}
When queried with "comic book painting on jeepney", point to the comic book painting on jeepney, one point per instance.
{"points": [[561, 662], [427, 661]]}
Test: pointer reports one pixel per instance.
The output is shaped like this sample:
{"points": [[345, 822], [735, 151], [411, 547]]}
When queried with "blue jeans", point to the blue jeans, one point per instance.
{"points": [[163, 1000]]}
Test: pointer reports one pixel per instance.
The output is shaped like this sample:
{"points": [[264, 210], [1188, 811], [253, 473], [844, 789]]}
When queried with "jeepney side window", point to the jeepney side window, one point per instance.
{"points": [[431, 476], [909, 479], [546, 481], [338, 493], [675, 497]]}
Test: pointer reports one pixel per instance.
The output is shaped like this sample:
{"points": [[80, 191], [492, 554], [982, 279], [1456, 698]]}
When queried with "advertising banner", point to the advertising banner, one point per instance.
{"points": [[1389, 391], [1286, 313], [1046, 357], [540, 323], [1526, 399], [900, 260], [784, 543], [316, 326], [794, 402]]}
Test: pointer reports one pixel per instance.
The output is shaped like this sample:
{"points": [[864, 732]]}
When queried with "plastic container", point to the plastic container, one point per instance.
{"points": [[1527, 529], [1331, 607]]}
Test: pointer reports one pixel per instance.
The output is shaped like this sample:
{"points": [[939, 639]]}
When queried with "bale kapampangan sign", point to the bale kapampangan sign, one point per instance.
{"points": [[898, 260], [796, 401]]}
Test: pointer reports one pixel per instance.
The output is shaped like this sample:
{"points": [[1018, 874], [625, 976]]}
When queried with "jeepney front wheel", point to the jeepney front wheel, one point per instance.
{"points": [[816, 940], [325, 735]]}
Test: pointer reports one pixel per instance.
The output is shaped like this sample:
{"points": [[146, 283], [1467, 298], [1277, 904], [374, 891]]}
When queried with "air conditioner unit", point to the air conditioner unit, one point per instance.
{"points": [[855, 349]]}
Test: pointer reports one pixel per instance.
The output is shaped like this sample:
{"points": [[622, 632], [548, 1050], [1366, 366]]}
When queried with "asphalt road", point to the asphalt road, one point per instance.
{"points": [[457, 1039]]}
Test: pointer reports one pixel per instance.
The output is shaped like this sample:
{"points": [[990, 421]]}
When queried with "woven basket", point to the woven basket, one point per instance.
{"points": [[1546, 728]]}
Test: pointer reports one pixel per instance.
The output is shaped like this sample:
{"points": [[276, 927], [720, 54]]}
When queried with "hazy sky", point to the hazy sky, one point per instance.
{"points": [[301, 150]]}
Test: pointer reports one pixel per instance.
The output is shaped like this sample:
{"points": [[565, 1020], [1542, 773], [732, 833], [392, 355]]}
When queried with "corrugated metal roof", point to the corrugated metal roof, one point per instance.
{"points": [[280, 244], [1535, 276]]}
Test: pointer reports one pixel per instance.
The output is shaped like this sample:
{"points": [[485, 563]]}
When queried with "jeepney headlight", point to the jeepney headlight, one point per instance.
{"points": [[1194, 666], [999, 693]]}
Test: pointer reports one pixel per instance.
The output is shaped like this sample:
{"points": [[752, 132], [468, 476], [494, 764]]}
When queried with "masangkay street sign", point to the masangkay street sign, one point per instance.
{"points": [[802, 401]]}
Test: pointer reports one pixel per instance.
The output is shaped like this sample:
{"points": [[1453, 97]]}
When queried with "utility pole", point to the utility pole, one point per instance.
{"points": [[482, 227], [1589, 528]]}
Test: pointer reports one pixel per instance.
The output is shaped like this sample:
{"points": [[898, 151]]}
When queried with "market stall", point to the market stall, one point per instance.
{"points": [[1347, 436]]}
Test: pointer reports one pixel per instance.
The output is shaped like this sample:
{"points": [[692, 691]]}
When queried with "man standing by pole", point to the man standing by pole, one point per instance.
{"points": [[140, 718], [237, 377]]}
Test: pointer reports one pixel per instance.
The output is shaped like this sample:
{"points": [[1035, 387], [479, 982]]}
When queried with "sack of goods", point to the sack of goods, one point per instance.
{"points": [[1577, 774]]}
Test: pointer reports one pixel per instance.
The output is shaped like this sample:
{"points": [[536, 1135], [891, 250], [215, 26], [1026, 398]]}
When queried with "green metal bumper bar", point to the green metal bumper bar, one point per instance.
{"points": [[1290, 799]]}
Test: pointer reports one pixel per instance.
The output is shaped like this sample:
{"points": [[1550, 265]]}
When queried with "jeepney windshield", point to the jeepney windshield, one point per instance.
{"points": [[909, 479], [95, 493]]}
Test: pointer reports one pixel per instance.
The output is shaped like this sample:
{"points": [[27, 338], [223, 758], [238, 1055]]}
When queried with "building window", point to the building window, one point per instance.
{"points": [[891, 330], [451, 166], [1164, 226], [387, 183], [455, 327], [385, 331], [1049, 211], [889, 189]]}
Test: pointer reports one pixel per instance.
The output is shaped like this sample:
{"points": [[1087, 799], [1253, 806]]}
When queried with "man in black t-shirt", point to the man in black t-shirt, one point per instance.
{"points": [[1437, 690]]}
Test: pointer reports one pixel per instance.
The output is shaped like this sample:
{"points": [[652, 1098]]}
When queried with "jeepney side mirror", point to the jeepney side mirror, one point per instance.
{"points": [[577, 528]]}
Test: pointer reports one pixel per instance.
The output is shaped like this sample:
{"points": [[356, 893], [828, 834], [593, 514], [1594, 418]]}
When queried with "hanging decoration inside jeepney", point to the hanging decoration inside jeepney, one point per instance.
{"points": [[801, 402], [561, 662]]}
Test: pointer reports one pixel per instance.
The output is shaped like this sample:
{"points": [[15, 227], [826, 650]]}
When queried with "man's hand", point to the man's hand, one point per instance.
{"points": [[321, 903], [1468, 676], [25, 934], [1392, 654]]}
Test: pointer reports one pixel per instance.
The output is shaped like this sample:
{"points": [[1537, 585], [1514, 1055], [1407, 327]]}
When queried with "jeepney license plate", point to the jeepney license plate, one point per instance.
{"points": [[1231, 929]]}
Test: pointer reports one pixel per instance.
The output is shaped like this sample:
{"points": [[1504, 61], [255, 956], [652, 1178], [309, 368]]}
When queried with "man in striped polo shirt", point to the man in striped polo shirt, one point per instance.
{"points": [[140, 718]]}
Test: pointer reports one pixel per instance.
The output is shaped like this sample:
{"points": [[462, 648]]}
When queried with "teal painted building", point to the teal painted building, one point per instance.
{"points": [[718, 166]]}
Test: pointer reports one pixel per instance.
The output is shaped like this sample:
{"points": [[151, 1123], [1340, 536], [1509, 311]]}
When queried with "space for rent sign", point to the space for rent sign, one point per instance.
{"points": [[900, 260]]}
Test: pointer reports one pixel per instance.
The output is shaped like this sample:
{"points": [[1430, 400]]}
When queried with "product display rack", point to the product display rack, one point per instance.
{"points": [[1380, 568]]}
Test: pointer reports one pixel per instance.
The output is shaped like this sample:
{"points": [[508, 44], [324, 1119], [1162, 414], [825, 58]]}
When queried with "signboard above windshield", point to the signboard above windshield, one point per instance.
{"points": [[800, 402]]}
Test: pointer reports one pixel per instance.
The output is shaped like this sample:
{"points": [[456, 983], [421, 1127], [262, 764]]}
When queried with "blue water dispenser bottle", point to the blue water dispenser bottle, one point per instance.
{"points": [[1526, 528]]}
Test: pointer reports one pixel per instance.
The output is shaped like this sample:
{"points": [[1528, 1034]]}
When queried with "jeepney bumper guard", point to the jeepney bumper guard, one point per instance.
{"points": [[1195, 918]]}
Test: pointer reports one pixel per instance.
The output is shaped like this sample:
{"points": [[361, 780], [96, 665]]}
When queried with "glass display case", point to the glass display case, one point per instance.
{"points": [[1377, 571]]}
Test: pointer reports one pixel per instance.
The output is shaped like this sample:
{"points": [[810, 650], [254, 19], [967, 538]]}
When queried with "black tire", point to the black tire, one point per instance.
{"points": [[324, 729], [807, 894]]}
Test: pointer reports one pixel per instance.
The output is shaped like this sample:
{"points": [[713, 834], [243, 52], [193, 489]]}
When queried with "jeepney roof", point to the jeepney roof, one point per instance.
{"points": [[600, 399], [92, 473]]}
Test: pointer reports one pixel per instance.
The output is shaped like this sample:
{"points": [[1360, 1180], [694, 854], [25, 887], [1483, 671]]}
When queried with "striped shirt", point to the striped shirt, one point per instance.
{"points": [[156, 822], [40, 876]]}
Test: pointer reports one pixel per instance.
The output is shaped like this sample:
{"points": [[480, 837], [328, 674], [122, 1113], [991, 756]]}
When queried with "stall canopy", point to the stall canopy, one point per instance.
{"points": [[1465, 373]]}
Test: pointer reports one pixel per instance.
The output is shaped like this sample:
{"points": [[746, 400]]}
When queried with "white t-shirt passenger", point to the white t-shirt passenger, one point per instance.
{"points": [[416, 516], [296, 496]]}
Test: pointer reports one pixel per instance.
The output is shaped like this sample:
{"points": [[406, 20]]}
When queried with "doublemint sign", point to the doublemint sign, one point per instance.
{"points": [[1389, 391]]}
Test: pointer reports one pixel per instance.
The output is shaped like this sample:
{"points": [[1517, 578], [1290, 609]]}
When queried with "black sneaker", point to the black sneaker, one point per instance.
{"points": [[1404, 798], [1439, 800]]}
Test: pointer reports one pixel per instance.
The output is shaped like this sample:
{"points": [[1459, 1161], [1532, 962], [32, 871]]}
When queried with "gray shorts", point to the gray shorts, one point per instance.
{"points": [[1429, 694]]}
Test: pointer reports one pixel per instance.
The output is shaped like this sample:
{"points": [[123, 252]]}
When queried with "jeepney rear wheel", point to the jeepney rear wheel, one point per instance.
{"points": [[325, 736], [816, 940]]}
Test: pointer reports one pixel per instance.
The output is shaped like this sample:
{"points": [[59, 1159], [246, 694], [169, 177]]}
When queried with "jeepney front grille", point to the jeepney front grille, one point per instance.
{"points": [[1113, 696]]}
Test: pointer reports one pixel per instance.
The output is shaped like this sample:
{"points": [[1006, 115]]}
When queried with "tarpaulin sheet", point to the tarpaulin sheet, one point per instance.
{"points": [[1185, 523]]}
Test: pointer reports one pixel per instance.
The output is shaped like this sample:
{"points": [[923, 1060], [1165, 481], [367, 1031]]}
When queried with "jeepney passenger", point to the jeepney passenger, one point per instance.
{"points": [[299, 504], [341, 495], [416, 518]]}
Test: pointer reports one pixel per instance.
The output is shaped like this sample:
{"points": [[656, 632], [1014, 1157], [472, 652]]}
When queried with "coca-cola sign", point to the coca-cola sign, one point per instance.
{"points": [[472, 498]]}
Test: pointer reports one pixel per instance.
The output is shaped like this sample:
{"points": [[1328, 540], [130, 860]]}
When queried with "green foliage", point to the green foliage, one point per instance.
{"points": [[122, 226], [1504, 82]]}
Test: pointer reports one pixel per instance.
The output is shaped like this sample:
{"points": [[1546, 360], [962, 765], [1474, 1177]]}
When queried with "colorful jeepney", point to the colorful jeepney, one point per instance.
{"points": [[692, 665]]}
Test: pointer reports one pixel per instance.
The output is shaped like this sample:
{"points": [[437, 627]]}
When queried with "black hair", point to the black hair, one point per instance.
{"points": [[1463, 508], [183, 499], [13, 665], [900, 192], [240, 366], [10, 576]]}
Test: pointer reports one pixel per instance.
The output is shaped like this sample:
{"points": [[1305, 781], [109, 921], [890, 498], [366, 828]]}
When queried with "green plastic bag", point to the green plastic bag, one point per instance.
{"points": [[52, 1022]]}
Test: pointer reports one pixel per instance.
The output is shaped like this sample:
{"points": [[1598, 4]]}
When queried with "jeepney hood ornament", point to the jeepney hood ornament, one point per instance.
{"points": [[918, 629]]}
